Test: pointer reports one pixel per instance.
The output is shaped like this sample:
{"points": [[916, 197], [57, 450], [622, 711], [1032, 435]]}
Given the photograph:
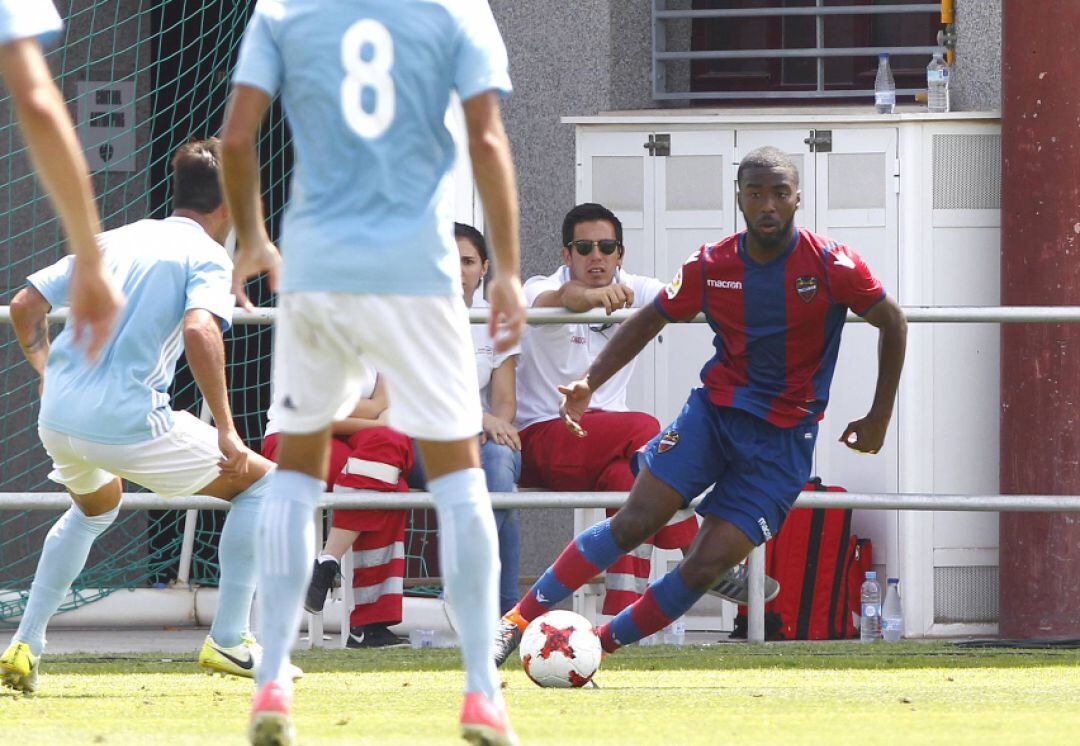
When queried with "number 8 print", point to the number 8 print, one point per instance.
{"points": [[373, 74]]}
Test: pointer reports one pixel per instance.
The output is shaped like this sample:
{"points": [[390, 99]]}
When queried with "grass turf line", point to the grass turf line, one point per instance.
{"points": [[825, 693]]}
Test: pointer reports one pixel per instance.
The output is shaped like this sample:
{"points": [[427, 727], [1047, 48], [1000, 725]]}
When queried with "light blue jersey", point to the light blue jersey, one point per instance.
{"points": [[164, 268], [27, 19], [365, 86]]}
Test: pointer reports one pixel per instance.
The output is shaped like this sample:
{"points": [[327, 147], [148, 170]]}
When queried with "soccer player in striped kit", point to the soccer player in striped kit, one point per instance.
{"points": [[776, 296], [368, 234]]}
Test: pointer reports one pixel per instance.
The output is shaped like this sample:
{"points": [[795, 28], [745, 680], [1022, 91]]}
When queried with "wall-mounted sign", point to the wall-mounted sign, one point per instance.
{"points": [[106, 124]]}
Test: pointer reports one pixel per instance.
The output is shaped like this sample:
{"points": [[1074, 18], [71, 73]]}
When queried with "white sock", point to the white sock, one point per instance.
{"points": [[469, 563], [328, 558], [285, 547], [236, 556], [63, 557]]}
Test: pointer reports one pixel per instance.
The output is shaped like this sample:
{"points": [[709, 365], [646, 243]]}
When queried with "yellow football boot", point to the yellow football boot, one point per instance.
{"points": [[19, 668], [240, 660]]}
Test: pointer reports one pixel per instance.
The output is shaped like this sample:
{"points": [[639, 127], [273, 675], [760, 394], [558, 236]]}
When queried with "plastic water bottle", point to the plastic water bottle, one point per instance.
{"points": [[870, 621], [892, 613], [422, 638], [675, 633], [884, 86], [937, 83]]}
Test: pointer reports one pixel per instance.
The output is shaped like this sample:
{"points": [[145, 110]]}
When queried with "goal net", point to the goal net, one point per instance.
{"points": [[140, 78]]}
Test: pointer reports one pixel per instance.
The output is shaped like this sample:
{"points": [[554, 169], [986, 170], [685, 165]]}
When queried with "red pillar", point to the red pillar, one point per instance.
{"points": [[1040, 265]]}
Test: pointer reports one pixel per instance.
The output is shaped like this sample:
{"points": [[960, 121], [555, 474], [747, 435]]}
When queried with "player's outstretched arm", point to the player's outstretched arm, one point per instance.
{"points": [[29, 311], [205, 350], [628, 341], [868, 434], [255, 253], [493, 168], [54, 150]]}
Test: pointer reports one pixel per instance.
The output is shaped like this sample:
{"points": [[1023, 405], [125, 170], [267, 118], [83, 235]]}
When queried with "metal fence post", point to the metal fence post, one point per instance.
{"points": [[755, 566], [191, 520]]}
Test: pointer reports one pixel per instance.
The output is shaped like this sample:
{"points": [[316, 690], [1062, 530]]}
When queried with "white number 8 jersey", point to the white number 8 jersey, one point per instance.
{"points": [[365, 87]]}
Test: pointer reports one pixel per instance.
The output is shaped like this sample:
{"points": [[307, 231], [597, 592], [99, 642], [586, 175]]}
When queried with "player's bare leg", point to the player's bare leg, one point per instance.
{"points": [[469, 561], [649, 507]]}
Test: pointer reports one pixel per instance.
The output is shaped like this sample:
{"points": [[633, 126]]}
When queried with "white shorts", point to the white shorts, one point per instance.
{"points": [[420, 344], [178, 463]]}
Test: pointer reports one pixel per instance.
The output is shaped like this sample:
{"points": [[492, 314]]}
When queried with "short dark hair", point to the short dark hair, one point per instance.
{"points": [[196, 178], [473, 236], [584, 213], [767, 157]]}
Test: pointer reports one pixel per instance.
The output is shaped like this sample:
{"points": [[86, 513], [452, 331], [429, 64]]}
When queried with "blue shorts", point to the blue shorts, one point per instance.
{"points": [[756, 469]]}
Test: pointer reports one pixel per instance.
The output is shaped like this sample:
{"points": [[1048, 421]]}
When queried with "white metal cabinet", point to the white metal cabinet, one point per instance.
{"points": [[916, 196]]}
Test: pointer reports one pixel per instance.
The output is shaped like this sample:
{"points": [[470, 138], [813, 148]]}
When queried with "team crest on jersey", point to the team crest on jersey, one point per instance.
{"points": [[673, 287], [806, 287], [668, 440]]}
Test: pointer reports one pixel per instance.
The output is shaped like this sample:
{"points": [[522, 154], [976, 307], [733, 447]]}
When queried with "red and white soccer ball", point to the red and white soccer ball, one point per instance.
{"points": [[560, 649]]}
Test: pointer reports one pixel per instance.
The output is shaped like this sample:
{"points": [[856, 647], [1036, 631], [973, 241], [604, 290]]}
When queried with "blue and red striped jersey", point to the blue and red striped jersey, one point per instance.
{"points": [[777, 325]]}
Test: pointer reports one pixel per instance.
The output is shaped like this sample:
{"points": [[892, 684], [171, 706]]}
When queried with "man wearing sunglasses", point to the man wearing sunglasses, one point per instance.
{"points": [[553, 458]]}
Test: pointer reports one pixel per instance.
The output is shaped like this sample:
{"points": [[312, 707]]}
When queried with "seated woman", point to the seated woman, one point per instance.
{"points": [[500, 446], [365, 455], [500, 449]]}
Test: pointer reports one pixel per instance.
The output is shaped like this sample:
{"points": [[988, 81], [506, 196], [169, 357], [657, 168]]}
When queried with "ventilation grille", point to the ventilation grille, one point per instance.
{"points": [[967, 172], [965, 594]]}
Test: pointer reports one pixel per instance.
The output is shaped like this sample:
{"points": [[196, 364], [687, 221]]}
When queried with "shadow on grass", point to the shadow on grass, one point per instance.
{"points": [[734, 656]]}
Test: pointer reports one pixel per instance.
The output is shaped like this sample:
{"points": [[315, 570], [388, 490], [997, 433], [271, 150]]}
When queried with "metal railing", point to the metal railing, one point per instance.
{"points": [[528, 500], [756, 629], [914, 315], [662, 54]]}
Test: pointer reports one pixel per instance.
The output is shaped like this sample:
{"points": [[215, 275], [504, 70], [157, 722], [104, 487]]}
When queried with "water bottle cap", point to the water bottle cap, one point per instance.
{"points": [[894, 581], [883, 55], [871, 575]]}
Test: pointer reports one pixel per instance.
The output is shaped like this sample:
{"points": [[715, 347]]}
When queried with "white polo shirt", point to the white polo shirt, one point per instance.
{"points": [[554, 355], [487, 360]]}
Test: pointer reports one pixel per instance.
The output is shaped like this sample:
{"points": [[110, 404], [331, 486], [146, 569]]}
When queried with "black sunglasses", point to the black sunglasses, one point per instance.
{"points": [[608, 246]]}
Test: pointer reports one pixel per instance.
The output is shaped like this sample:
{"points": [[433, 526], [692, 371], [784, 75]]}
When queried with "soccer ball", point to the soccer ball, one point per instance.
{"points": [[560, 649]]}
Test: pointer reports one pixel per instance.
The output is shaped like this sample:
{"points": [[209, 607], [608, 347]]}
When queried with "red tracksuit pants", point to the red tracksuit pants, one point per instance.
{"points": [[376, 459]]}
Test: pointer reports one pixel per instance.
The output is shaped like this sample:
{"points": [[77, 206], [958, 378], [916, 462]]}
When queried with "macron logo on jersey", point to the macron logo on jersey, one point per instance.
{"points": [[725, 284]]}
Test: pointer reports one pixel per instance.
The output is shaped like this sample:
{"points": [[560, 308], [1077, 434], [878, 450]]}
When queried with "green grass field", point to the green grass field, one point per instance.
{"points": [[793, 693]]}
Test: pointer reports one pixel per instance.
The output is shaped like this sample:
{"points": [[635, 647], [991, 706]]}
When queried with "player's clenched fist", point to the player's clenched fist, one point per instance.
{"points": [[611, 297]]}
